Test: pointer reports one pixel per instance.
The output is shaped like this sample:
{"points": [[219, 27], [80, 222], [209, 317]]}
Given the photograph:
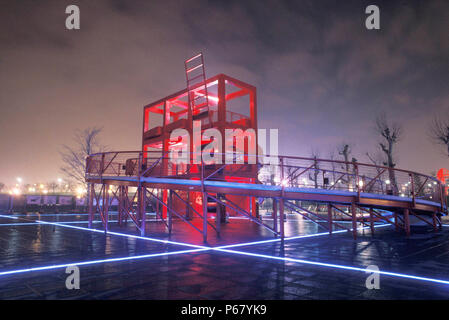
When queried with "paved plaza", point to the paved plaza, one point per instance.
{"points": [[245, 263]]}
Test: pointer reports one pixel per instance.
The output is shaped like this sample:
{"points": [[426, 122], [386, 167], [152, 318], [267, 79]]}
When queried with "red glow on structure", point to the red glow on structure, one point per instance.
{"points": [[208, 102], [442, 175]]}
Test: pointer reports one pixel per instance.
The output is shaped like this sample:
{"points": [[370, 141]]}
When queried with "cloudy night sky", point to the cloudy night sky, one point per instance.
{"points": [[322, 77]]}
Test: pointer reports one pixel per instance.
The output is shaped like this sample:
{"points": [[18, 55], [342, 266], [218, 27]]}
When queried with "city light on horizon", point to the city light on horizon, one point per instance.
{"points": [[297, 149]]}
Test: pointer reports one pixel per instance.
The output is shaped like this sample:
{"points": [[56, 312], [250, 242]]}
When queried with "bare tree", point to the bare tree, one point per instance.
{"points": [[52, 186], [439, 132], [85, 142], [391, 134], [2, 185], [345, 151], [377, 159], [316, 167], [333, 165]]}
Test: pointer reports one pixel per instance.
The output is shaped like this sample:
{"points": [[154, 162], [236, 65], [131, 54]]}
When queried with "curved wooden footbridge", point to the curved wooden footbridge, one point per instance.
{"points": [[138, 182]]}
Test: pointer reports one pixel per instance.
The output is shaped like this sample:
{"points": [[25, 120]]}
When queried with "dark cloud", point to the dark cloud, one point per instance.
{"points": [[321, 76]]}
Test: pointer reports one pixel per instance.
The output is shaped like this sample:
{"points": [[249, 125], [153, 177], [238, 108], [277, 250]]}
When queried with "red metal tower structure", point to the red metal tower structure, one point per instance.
{"points": [[177, 190], [209, 102]]}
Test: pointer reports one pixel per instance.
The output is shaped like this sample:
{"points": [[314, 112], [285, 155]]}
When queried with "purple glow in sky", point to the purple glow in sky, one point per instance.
{"points": [[322, 77]]}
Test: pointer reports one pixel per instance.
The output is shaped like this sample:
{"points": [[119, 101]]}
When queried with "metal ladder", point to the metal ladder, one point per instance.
{"points": [[196, 82]]}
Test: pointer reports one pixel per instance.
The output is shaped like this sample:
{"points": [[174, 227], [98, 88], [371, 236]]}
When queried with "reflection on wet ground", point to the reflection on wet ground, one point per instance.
{"points": [[32, 240]]}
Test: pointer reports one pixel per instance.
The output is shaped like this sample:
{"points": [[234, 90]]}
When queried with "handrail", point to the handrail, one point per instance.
{"points": [[361, 177], [363, 164]]}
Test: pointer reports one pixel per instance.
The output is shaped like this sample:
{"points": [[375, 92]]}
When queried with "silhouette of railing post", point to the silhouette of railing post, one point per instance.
{"points": [[357, 181], [412, 181], [204, 201], [281, 200], [141, 196]]}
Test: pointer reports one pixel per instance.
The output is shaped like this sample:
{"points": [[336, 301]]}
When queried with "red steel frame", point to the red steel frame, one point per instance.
{"points": [[220, 90], [363, 201], [362, 187]]}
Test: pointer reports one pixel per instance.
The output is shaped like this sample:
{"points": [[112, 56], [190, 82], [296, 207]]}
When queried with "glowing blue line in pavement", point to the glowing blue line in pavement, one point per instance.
{"points": [[220, 249], [192, 245], [66, 214], [10, 217], [124, 235], [322, 264], [61, 222], [36, 223], [83, 263], [336, 266], [294, 237], [116, 233]]}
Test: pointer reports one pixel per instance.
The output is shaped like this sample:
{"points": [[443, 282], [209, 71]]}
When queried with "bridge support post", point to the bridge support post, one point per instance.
{"points": [[141, 207], [125, 204], [434, 222], [354, 220], [188, 212], [281, 218], [120, 205], [396, 221], [407, 221], [222, 197], [218, 215], [91, 203], [204, 216], [169, 214], [329, 217], [275, 215], [106, 207], [165, 199], [371, 220]]}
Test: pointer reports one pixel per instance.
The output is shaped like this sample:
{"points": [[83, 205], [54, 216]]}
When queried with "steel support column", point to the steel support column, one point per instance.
{"points": [[142, 208], [91, 203], [204, 216], [396, 221], [218, 215], [434, 222], [407, 221], [281, 218], [354, 220], [275, 215], [169, 213], [106, 207]]}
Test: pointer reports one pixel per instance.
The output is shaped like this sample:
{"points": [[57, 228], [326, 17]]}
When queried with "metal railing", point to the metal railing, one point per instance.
{"points": [[285, 171]]}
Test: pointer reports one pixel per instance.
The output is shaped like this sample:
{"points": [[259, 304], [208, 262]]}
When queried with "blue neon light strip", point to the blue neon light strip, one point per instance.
{"points": [[124, 235], [84, 263], [220, 249], [113, 233], [61, 222], [66, 214], [296, 237], [192, 245], [335, 266]]}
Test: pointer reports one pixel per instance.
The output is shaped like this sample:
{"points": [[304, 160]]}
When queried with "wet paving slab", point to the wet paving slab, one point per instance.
{"points": [[216, 274]]}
